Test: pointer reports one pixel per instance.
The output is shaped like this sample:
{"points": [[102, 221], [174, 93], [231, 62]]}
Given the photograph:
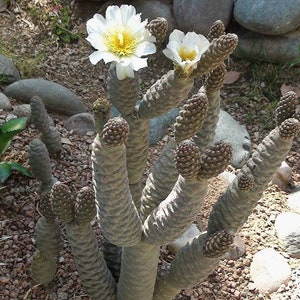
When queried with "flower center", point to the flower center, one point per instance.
{"points": [[121, 42], [187, 54]]}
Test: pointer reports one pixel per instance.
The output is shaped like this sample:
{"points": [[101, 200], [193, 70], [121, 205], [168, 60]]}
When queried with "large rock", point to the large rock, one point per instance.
{"points": [[199, 15], [294, 200], [283, 176], [271, 17], [8, 71], [274, 49], [229, 130], [237, 249], [81, 123], [191, 233], [153, 9], [56, 97], [269, 270], [287, 226], [4, 102]]}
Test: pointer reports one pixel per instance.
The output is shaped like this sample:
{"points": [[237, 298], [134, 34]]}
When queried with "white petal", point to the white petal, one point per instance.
{"points": [[112, 12], [172, 54], [96, 40], [176, 35], [168, 53], [96, 24], [123, 72], [137, 63], [145, 48], [108, 57], [95, 57], [137, 27], [127, 12]]}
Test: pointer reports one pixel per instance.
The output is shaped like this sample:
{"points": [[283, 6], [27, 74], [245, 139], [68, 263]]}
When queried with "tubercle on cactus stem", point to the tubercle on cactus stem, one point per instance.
{"points": [[120, 222], [173, 215], [49, 134], [219, 49], [236, 203]]}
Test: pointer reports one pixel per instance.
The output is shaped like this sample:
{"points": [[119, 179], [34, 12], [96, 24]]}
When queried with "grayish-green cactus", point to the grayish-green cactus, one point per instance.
{"points": [[48, 240], [49, 134], [135, 220]]}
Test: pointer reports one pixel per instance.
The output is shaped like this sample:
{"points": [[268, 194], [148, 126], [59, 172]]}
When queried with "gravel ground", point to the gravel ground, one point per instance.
{"points": [[27, 37]]}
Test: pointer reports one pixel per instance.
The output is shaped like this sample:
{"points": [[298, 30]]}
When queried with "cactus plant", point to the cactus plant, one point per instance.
{"points": [[136, 220], [49, 134]]}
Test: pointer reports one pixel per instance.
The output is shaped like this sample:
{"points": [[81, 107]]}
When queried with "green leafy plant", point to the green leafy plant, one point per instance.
{"points": [[62, 25], [7, 131]]}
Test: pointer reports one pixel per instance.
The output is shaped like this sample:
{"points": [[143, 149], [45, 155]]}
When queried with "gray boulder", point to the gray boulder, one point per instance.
{"points": [[153, 9], [81, 123], [294, 200], [191, 233], [287, 227], [22, 110], [283, 176], [159, 125], [8, 71], [269, 270], [237, 249], [271, 17], [4, 102], [274, 49], [56, 97], [199, 15], [227, 129]]}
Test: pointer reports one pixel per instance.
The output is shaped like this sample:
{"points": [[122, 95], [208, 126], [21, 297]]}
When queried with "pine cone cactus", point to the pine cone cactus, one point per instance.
{"points": [[217, 244], [219, 49], [85, 206], [49, 134], [214, 81], [245, 182], [43, 269], [163, 95], [101, 111], [289, 128], [217, 29], [39, 114], [40, 164], [52, 140], [45, 206], [62, 202], [286, 107], [136, 219], [158, 27], [115, 132], [191, 117], [215, 159], [187, 159]]}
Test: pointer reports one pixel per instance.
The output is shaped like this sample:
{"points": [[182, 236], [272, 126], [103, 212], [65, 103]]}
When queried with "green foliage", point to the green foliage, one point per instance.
{"points": [[62, 25], [4, 78], [7, 131]]}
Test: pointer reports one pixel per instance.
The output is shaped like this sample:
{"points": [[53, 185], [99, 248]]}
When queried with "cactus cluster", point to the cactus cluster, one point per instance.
{"points": [[135, 220]]}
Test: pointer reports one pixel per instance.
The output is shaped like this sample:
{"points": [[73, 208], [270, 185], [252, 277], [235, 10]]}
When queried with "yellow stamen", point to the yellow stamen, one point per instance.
{"points": [[121, 42], [186, 54]]}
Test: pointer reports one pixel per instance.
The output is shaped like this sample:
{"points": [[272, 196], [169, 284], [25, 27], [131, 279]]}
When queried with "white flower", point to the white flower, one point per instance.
{"points": [[185, 50], [122, 38]]}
